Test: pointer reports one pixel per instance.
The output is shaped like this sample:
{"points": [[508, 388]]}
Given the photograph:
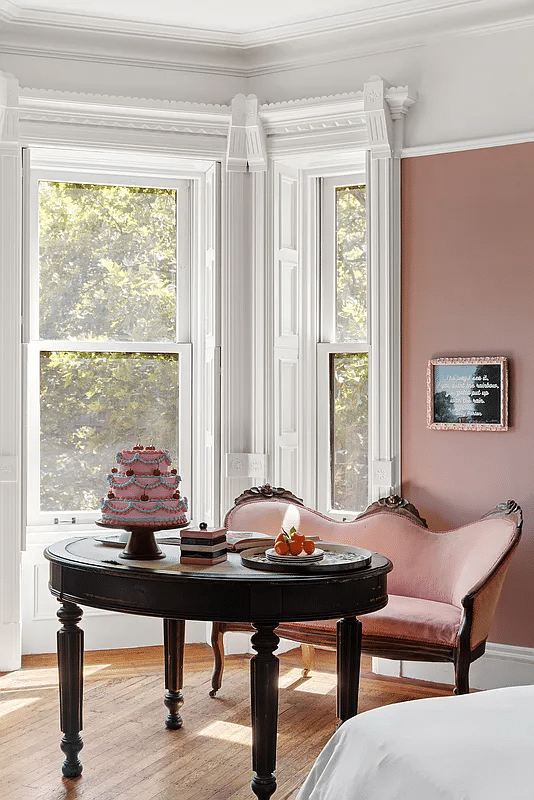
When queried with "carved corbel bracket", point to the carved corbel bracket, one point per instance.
{"points": [[385, 109], [247, 149], [9, 108]]}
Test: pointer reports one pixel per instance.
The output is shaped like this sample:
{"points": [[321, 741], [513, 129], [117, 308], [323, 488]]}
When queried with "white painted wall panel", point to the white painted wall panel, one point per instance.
{"points": [[286, 328]]}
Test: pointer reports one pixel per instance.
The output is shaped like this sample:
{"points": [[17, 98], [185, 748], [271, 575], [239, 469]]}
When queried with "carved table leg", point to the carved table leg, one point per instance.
{"points": [[349, 646], [173, 638], [264, 668], [70, 666]]}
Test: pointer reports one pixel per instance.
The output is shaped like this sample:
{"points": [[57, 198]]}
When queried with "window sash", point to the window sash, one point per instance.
{"points": [[328, 260], [31, 208], [33, 353], [327, 345], [49, 168], [324, 466]]}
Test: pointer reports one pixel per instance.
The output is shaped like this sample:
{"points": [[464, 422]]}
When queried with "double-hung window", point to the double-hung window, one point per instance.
{"points": [[107, 326], [343, 351]]}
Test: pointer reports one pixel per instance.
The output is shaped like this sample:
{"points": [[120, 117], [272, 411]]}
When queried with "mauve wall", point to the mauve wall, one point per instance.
{"points": [[468, 290]]}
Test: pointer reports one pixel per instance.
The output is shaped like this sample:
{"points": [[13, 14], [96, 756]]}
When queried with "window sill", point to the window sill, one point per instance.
{"points": [[47, 534]]}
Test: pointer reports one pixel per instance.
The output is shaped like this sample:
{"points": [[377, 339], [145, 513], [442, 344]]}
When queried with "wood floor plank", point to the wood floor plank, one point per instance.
{"points": [[128, 753]]}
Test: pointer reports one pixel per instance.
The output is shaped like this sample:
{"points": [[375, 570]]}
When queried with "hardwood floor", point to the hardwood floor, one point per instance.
{"points": [[130, 755]]}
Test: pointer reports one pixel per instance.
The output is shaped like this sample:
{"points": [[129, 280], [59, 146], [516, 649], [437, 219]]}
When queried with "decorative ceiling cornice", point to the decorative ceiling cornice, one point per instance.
{"points": [[401, 24], [467, 13], [54, 95], [249, 129], [123, 112]]}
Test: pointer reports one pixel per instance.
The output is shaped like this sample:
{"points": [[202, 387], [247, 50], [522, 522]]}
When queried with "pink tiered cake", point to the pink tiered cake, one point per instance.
{"points": [[143, 491]]}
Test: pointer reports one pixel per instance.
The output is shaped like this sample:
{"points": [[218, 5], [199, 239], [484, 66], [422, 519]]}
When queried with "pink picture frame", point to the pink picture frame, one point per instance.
{"points": [[467, 394]]}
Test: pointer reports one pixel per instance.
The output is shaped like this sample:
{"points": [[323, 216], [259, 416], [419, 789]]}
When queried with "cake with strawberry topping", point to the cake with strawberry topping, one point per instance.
{"points": [[143, 491]]}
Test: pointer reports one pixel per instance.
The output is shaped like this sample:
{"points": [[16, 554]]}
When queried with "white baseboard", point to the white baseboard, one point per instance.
{"points": [[501, 665]]}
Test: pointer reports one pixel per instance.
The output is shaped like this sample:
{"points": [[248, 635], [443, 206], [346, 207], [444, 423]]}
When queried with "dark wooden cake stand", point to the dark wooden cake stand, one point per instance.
{"points": [[142, 544]]}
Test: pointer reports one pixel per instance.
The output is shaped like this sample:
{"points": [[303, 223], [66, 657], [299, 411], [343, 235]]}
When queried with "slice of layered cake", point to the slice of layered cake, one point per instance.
{"points": [[204, 547]]}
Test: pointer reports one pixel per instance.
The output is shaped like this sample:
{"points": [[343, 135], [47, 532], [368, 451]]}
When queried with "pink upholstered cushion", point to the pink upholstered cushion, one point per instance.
{"points": [[405, 618]]}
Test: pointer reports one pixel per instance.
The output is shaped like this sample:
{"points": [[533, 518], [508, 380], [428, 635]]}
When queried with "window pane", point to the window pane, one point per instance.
{"points": [[351, 264], [349, 385], [107, 262], [92, 405]]}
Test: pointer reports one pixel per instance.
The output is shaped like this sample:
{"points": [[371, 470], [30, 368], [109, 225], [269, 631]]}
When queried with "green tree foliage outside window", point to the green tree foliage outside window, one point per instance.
{"points": [[349, 376], [349, 372], [107, 262], [351, 264], [107, 266]]}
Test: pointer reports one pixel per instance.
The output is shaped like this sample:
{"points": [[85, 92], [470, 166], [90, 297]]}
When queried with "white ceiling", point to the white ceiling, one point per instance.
{"points": [[232, 16]]}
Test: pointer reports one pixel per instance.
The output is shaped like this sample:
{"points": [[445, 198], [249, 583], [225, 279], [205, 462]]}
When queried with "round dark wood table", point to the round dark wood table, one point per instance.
{"points": [[85, 572]]}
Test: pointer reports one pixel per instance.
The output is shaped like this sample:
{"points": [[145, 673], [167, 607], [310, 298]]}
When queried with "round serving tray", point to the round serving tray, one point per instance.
{"points": [[337, 558]]}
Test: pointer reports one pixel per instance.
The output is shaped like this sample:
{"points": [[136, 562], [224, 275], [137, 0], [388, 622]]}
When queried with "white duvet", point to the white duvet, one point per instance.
{"points": [[471, 747]]}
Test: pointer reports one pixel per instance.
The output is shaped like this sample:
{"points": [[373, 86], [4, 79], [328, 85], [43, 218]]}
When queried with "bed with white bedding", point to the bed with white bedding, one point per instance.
{"points": [[477, 746]]}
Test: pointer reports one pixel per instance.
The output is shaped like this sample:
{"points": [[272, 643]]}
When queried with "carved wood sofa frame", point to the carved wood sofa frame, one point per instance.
{"points": [[480, 599]]}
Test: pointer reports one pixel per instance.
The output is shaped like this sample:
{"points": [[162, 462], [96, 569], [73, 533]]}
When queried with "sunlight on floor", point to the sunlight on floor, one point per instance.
{"points": [[8, 706], [32, 678], [316, 683], [229, 731]]}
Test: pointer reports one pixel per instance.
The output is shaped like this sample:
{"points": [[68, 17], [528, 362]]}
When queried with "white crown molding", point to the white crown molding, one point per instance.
{"points": [[244, 133], [467, 144], [70, 108], [467, 14], [125, 49], [306, 117], [419, 15], [398, 25], [202, 112], [13, 16], [82, 120], [334, 122]]}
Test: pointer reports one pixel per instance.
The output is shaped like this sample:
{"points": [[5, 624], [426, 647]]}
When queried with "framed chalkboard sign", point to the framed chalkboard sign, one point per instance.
{"points": [[467, 394]]}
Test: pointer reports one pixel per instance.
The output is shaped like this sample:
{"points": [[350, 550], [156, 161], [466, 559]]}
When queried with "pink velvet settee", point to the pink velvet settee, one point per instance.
{"points": [[443, 590]]}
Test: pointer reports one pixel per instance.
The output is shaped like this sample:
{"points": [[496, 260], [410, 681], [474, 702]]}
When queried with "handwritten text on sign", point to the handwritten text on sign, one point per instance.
{"points": [[468, 393]]}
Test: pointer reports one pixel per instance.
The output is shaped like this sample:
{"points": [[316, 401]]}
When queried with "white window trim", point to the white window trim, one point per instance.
{"points": [[51, 164], [382, 178]]}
